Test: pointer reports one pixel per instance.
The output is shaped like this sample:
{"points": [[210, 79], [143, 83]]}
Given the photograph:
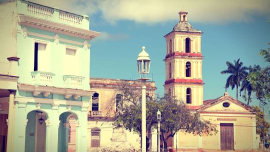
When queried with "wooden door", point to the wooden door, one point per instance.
{"points": [[226, 136]]}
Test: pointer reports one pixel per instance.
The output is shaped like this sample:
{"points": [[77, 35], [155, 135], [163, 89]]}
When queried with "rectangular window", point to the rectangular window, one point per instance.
{"points": [[70, 52], [94, 106], [72, 60], [41, 57], [95, 138]]}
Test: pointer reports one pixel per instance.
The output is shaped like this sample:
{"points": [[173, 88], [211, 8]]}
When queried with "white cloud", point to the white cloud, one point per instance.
{"points": [[107, 36], [159, 11]]}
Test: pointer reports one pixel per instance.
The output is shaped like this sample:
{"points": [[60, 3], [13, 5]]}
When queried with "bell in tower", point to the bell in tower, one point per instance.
{"points": [[184, 63]]}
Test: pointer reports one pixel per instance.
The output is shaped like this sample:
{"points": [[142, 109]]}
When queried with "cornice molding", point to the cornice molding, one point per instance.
{"points": [[47, 90], [184, 81], [56, 27]]}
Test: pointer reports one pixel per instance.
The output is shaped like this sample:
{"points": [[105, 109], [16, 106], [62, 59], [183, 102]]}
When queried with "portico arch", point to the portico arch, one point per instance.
{"points": [[67, 130], [35, 134]]}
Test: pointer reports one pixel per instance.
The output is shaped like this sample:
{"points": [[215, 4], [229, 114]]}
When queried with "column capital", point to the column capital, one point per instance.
{"points": [[48, 122]]}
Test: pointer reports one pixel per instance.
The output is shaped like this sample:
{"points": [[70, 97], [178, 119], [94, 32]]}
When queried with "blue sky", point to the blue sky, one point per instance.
{"points": [[232, 29]]}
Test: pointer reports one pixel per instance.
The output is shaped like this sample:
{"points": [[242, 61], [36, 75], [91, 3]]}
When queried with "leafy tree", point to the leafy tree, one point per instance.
{"points": [[237, 74], [130, 114], [262, 125], [177, 117], [260, 79]]}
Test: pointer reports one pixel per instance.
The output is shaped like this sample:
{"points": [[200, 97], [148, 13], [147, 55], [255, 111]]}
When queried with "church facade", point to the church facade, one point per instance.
{"points": [[235, 121]]}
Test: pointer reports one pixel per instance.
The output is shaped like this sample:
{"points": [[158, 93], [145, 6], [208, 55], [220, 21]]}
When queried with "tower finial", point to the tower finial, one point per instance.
{"points": [[143, 48], [183, 16]]}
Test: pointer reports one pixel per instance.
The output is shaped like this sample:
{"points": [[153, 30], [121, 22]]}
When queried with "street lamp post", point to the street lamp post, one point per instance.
{"points": [[158, 138], [143, 63]]}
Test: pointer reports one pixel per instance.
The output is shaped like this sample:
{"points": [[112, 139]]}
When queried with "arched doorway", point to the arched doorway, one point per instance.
{"points": [[35, 135], [67, 132]]}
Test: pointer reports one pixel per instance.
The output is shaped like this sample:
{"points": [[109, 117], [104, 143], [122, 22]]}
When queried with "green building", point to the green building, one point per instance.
{"points": [[47, 72]]}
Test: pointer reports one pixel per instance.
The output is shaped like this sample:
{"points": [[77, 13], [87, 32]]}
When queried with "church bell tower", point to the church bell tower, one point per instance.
{"points": [[184, 63]]}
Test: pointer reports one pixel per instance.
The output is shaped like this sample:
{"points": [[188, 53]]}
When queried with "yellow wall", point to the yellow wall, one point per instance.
{"points": [[244, 123]]}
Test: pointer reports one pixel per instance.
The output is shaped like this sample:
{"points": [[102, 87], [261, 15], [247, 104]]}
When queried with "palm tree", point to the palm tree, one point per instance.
{"points": [[237, 74], [246, 85]]}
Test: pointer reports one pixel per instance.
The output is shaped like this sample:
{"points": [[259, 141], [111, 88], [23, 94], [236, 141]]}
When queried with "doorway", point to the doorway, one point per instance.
{"points": [[226, 136]]}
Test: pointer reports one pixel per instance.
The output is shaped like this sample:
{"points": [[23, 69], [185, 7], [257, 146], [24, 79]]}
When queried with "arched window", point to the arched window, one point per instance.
{"points": [[169, 92], [118, 102], [184, 17], [170, 70], [188, 97], [187, 45], [95, 137], [170, 47], [188, 69], [95, 102]]}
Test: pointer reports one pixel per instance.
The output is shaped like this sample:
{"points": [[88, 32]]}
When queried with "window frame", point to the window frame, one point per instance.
{"points": [[96, 131], [95, 103], [188, 69], [188, 96]]}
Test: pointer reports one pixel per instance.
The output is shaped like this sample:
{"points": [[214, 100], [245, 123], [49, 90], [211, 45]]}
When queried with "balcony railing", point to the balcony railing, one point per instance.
{"points": [[55, 14], [70, 18], [40, 10], [42, 78], [71, 81], [95, 113]]}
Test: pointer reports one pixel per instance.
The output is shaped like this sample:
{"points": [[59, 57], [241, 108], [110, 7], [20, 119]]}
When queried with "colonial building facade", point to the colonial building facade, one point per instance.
{"points": [[105, 102], [235, 121], [53, 76]]}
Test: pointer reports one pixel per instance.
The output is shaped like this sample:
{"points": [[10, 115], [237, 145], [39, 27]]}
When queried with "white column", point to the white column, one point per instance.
{"points": [[200, 95], [183, 69], [192, 95], [199, 44], [193, 69], [178, 93], [200, 69], [48, 135], [19, 135], [173, 45], [143, 116], [175, 48], [182, 44], [193, 45], [78, 136], [177, 68], [184, 94], [197, 70], [10, 137]]}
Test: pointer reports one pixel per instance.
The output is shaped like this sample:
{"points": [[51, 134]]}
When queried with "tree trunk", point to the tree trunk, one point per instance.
{"points": [[165, 145], [150, 138], [237, 92]]}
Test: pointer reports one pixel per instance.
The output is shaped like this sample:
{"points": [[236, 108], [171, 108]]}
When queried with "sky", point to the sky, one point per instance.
{"points": [[232, 29]]}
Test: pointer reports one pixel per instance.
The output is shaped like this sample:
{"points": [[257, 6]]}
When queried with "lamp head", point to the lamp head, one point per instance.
{"points": [[158, 115], [143, 63]]}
